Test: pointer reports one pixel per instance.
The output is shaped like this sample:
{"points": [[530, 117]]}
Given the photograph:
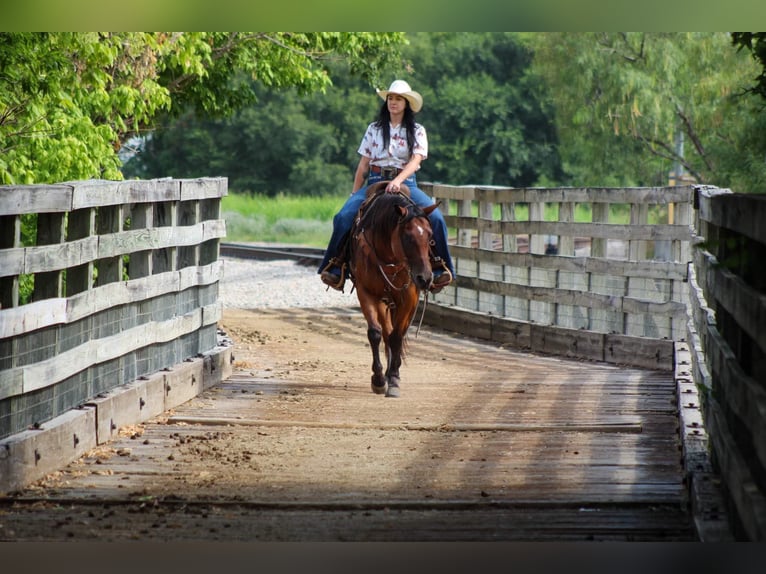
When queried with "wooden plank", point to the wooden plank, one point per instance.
{"points": [[155, 190], [746, 305], [576, 229], [11, 262], [183, 382], [203, 188], [743, 213], [649, 269], [30, 455], [644, 195], [19, 199], [609, 427], [129, 404], [572, 297], [33, 316], [569, 343], [43, 258], [126, 242], [99, 193], [51, 371], [741, 486], [740, 393], [639, 351]]}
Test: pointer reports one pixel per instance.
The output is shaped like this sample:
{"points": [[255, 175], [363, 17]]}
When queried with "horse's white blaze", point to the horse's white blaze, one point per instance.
{"points": [[420, 229]]}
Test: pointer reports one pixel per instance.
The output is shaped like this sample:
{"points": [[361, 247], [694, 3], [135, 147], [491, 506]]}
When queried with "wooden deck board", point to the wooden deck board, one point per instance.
{"points": [[549, 449]]}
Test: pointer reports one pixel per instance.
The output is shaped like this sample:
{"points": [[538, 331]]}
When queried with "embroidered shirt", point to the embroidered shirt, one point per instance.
{"points": [[397, 154]]}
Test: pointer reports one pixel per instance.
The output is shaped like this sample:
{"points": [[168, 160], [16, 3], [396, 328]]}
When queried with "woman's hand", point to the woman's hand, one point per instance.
{"points": [[392, 187]]}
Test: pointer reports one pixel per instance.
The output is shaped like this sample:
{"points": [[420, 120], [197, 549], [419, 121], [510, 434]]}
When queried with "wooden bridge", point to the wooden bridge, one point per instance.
{"points": [[542, 401]]}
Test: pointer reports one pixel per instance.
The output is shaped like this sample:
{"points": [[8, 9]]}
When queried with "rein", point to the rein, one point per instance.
{"points": [[398, 266]]}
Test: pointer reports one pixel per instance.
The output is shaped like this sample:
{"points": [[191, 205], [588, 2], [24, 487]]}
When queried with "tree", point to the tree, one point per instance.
{"points": [[755, 43], [487, 117], [622, 99], [69, 101]]}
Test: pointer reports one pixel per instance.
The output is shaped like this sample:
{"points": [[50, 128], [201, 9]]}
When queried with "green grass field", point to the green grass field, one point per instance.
{"points": [[308, 220], [281, 219]]}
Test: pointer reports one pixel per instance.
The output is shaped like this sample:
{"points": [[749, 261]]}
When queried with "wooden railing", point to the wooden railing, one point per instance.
{"points": [[611, 287], [103, 283], [727, 343]]}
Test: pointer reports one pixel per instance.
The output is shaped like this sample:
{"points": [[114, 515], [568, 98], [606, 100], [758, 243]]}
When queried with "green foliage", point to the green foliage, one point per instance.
{"points": [[755, 43], [487, 117], [69, 101], [623, 98]]}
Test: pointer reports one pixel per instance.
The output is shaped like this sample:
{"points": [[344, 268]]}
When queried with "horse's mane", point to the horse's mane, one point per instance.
{"points": [[380, 214]]}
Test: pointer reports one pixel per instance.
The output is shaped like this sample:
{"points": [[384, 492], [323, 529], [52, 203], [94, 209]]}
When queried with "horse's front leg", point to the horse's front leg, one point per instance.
{"points": [[378, 382], [395, 343]]}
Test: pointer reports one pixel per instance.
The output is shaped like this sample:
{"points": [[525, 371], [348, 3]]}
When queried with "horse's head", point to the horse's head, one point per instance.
{"points": [[415, 237]]}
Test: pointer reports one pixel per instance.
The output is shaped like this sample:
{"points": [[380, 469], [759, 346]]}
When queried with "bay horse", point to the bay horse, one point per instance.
{"points": [[390, 266]]}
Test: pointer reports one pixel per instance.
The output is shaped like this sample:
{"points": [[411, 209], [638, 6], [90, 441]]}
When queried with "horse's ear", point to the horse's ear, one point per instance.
{"points": [[402, 210], [430, 208]]}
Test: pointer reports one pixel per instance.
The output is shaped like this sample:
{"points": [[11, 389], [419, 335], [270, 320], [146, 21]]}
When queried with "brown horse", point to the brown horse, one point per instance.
{"points": [[390, 266]]}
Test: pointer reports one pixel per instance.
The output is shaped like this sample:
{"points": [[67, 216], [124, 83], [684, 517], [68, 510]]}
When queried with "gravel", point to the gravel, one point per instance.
{"points": [[252, 284]]}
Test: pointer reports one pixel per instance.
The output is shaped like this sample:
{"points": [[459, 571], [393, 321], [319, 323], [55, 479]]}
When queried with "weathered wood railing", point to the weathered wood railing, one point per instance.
{"points": [[120, 285], [727, 343], [611, 288]]}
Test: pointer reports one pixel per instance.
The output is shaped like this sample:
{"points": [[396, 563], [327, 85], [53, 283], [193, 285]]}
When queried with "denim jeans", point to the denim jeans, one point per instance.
{"points": [[344, 219]]}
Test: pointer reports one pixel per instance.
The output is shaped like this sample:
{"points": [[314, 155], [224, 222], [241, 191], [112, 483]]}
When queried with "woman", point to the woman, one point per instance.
{"points": [[392, 148]]}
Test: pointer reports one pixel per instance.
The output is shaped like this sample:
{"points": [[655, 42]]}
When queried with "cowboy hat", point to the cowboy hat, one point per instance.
{"points": [[402, 88]]}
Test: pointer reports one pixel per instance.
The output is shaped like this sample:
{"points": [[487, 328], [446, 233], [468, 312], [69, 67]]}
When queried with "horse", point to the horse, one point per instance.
{"points": [[390, 266]]}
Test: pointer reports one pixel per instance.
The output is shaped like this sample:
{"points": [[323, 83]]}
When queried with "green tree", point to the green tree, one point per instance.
{"points": [[755, 43], [69, 101], [622, 99], [286, 143], [487, 117]]}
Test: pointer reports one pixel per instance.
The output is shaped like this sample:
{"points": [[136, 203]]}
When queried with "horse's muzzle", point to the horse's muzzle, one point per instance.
{"points": [[423, 280]]}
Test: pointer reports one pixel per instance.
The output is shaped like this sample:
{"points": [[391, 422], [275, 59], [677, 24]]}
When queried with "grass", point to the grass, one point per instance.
{"points": [[308, 220], [280, 219]]}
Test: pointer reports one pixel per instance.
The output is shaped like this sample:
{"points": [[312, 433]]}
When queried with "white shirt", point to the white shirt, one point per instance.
{"points": [[397, 154]]}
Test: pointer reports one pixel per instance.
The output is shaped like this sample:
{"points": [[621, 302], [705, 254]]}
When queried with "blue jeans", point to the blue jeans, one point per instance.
{"points": [[344, 219]]}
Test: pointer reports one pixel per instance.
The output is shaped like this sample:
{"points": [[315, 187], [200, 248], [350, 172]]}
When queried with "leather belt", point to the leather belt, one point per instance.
{"points": [[386, 172]]}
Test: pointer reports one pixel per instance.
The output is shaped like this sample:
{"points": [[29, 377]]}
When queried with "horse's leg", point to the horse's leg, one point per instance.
{"points": [[400, 324], [374, 336], [378, 381], [395, 342]]}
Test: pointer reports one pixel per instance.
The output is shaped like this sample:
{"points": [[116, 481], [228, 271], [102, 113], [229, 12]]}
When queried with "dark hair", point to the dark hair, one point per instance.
{"points": [[384, 121]]}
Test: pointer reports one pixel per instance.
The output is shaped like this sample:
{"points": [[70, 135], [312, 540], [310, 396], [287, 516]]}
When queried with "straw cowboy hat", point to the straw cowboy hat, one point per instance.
{"points": [[402, 88]]}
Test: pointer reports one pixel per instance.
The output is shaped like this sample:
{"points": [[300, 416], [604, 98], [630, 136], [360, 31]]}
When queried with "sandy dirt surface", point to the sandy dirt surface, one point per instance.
{"points": [[483, 444]]}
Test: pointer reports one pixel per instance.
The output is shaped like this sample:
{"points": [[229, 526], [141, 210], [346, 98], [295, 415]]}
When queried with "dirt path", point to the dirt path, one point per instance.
{"points": [[484, 444]]}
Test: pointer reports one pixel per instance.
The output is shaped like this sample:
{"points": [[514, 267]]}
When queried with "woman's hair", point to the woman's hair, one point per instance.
{"points": [[384, 122]]}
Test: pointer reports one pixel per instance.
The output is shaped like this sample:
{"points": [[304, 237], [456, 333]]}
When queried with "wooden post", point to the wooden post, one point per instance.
{"points": [[81, 223], [604, 320], [188, 214], [141, 217], [10, 237], [50, 231], [109, 220], [539, 311], [165, 215]]}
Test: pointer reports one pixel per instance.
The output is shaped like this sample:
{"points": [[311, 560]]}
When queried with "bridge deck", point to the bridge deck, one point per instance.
{"points": [[485, 443]]}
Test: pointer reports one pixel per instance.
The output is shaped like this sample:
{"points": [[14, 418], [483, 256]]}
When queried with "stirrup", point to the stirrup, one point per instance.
{"points": [[328, 278], [436, 287]]}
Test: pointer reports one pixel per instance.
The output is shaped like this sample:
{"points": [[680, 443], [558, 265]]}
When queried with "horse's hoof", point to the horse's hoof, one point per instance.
{"points": [[393, 391], [378, 389]]}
